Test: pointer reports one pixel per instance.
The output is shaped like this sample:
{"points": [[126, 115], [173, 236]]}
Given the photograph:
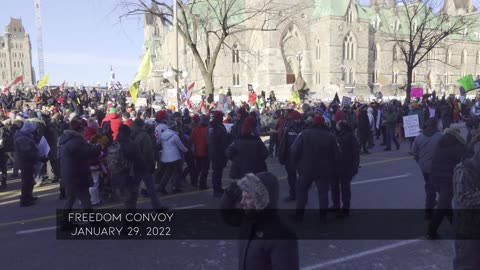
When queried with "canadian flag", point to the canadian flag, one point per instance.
{"points": [[17, 79]]}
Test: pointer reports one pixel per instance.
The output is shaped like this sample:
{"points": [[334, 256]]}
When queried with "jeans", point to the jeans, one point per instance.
{"points": [[202, 165], [341, 185], [391, 137], [94, 190], [273, 143], [444, 208], [217, 171], [149, 182], [172, 172], [429, 192], [292, 177]]}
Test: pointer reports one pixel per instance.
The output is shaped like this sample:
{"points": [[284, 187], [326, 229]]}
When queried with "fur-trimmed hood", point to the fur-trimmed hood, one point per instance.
{"points": [[456, 134]]}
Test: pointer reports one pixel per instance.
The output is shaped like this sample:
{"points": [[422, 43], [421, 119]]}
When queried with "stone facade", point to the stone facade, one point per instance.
{"points": [[15, 53], [343, 46]]}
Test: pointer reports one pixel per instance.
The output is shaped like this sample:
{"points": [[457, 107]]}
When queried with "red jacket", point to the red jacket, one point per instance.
{"points": [[129, 123], [115, 123], [88, 133], [198, 139]]}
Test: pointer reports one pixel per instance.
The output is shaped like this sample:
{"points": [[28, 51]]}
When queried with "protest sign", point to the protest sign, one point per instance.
{"points": [[467, 82], [417, 92], [411, 126], [346, 101]]}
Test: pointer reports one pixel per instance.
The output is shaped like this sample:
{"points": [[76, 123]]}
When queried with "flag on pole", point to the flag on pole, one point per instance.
{"points": [[43, 81], [467, 82], [18, 78], [295, 97], [186, 95], [62, 86], [143, 72]]}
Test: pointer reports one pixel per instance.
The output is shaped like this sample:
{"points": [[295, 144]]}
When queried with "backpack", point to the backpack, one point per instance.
{"points": [[117, 160]]}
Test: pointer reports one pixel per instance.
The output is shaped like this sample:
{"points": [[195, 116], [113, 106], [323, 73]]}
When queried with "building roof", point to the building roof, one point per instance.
{"points": [[326, 8]]}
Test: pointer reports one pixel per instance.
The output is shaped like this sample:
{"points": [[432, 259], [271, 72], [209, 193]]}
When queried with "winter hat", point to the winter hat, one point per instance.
{"points": [[455, 133], [76, 124], [139, 122], [242, 112], [204, 120], [319, 110], [318, 120], [340, 116], [112, 110], [250, 183], [126, 115], [161, 115], [28, 128], [295, 115], [196, 118], [248, 126], [217, 116], [92, 123]]}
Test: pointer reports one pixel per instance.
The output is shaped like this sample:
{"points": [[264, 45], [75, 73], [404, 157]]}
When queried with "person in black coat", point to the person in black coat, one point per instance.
{"points": [[314, 153], [346, 166], [364, 129], [217, 141], [448, 153], [269, 244], [248, 153], [75, 154]]}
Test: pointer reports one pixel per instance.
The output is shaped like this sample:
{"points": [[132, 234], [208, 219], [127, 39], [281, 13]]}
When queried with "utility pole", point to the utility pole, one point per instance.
{"points": [[38, 24]]}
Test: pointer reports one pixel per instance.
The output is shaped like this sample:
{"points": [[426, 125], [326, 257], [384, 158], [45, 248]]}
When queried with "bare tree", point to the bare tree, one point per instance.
{"points": [[216, 21], [426, 29]]}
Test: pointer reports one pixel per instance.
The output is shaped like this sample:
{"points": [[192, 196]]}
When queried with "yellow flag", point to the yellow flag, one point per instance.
{"points": [[43, 81], [142, 73], [295, 97]]}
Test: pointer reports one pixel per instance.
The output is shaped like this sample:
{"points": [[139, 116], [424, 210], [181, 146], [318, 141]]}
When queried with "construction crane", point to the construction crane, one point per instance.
{"points": [[38, 24]]}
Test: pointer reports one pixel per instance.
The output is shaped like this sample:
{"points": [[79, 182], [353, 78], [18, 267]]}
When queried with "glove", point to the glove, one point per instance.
{"points": [[234, 192]]}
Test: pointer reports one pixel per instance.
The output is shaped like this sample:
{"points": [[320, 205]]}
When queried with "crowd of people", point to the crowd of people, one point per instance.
{"points": [[102, 149]]}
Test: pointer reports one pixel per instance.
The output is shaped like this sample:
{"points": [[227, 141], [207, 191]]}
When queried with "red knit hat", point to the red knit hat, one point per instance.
{"points": [[161, 115], [248, 126], [196, 118], [217, 116], [295, 115], [340, 116], [318, 120]]}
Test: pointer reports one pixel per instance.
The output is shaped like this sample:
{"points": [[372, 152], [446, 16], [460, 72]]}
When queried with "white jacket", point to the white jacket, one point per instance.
{"points": [[171, 144], [371, 118]]}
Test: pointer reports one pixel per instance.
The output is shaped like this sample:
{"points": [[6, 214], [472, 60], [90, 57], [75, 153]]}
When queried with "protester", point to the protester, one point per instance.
{"points": [[423, 149], [314, 153], [218, 142], [260, 224], [199, 141], [248, 153], [448, 153]]}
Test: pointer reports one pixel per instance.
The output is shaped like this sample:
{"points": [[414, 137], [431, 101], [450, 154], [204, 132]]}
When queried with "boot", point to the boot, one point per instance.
{"points": [[3, 186]]}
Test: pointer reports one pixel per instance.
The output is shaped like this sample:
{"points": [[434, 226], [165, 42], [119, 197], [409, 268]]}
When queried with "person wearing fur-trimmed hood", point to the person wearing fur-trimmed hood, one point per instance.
{"points": [[269, 244]]}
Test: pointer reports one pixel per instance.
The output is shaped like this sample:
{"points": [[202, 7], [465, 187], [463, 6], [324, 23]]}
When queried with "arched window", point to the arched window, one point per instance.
{"points": [[448, 57], [374, 52], [350, 76], [349, 47], [14, 64], [464, 57], [395, 77], [317, 50], [395, 53], [4, 77]]}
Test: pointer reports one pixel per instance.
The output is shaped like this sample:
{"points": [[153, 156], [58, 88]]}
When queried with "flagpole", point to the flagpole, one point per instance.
{"points": [[177, 77]]}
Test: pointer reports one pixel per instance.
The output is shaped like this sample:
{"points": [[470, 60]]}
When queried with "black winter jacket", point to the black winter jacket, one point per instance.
{"points": [[349, 160], [248, 155], [217, 140], [315, 152], [447, 155]]}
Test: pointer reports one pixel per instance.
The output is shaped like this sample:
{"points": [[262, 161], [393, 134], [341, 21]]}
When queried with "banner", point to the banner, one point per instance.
{"points": [[416, 92], [411, 126]]}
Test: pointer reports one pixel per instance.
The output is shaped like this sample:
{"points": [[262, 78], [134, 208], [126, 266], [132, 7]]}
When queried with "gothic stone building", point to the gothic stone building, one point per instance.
{"points": [[343, 47], [15, 53]]}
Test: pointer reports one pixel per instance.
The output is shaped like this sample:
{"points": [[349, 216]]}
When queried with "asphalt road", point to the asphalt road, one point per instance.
{"points": [[387, 180]]}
